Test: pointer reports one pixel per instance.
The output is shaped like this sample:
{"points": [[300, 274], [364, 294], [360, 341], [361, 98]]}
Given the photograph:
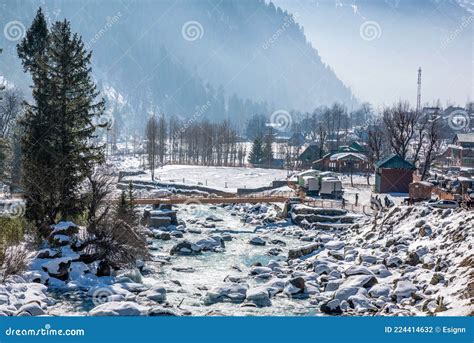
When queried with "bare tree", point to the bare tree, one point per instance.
{"points": [[400, 124], [162, 136], [375, 142], [152, 134], [420, 137], [432, 144], [322, 135], [10, 109], [99, 187]]}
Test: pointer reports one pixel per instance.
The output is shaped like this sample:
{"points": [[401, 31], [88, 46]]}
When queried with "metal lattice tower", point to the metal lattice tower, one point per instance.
{"points": [[418, 95]]}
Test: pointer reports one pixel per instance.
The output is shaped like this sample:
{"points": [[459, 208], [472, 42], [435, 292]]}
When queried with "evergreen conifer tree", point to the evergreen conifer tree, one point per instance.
{"points": [[58, 140], [256, 153], [267, 150]]}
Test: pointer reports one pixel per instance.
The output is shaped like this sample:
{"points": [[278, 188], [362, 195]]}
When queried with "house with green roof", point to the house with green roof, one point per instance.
{"points": [[393, 174]]}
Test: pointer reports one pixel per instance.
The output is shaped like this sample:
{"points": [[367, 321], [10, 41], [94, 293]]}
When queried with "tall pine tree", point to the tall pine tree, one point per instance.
{"points": [[256, 153], [36, 140], [267, 150], [4, 148], [59, 127]]}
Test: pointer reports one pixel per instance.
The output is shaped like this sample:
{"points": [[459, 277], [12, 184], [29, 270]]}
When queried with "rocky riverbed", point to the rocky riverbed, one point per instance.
{"points": [[246, 260]]}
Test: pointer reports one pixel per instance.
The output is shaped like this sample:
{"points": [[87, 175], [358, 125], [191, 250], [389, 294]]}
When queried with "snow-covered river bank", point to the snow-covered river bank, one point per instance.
{"points": [[245, 260]]}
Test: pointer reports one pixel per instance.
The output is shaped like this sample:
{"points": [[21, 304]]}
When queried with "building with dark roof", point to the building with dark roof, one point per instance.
{"points": [[393, 174], [348, 158], [310, 154]]}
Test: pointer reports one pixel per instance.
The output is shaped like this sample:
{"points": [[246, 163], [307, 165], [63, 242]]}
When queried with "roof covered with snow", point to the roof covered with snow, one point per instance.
{"points": [[348, 156], [465, 137]]}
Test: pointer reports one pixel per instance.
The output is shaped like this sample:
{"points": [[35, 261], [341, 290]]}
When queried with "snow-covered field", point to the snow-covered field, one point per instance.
{"points": [[219, 178]]}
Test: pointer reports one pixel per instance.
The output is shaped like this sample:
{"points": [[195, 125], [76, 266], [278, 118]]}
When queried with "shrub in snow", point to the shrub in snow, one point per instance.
{"points": [[117, 244], [14, 261]]}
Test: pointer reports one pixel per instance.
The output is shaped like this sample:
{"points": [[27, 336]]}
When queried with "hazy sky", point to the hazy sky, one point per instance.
{"points": [[376, 47]]}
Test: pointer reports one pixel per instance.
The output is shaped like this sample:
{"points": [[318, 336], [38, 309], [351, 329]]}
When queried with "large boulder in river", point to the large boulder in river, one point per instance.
{"points": [[185, 248], [259, 296], [257, 241], [159, 217], [234, 292], [331, 307], [295, 286], [156, 293], [304, 250], [211, 243]]}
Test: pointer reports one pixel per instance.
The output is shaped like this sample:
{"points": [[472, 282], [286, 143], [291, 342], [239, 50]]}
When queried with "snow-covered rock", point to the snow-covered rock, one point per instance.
{"points": [[235, 292], [334, 245], [119, 308], [379, 290], [30, 309], [185, 248], [37, 276], [211, 243], [361, 303], [58, 267], [331, 307], [257, 241], [393, 262], [358, 270], [259, 296], [365, 281], [404, 289], [156, 293]]}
